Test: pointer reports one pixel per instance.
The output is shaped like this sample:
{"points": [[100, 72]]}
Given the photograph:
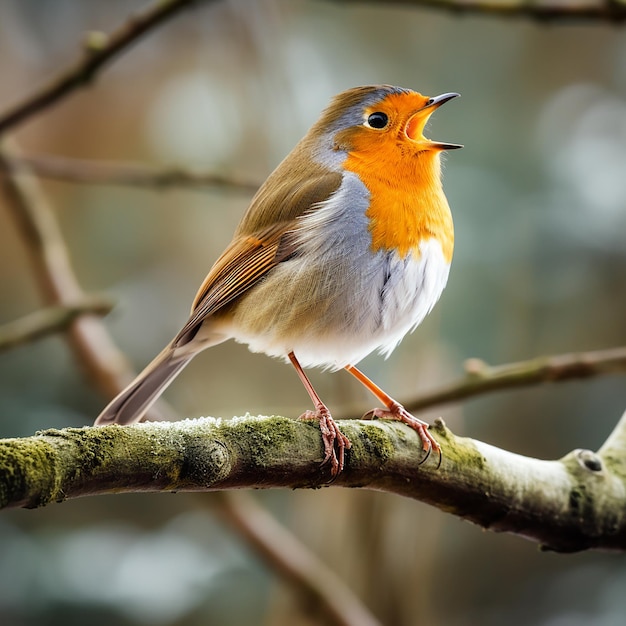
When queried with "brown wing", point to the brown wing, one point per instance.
{"points": [[262, 239], [241, 265]]}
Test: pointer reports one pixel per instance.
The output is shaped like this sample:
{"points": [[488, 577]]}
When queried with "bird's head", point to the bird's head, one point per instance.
{"points": [[375, 119]]}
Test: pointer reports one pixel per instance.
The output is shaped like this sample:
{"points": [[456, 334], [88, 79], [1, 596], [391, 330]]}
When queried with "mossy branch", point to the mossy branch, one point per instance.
{"points": [[574, 503]]}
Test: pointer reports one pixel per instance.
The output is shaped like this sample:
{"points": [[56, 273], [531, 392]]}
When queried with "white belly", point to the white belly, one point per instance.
{"points": [[353, 310]]}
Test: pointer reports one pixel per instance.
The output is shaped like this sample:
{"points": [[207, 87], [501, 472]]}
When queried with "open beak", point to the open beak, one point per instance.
{"points": [[415, 126]]}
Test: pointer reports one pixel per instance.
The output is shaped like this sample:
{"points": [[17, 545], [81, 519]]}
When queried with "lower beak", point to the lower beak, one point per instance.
{"points": [[416, 123]]}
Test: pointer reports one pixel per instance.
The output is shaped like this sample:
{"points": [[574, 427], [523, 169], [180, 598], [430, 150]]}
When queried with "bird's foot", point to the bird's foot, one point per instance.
{"points": [[397, 412], [335, 442]]}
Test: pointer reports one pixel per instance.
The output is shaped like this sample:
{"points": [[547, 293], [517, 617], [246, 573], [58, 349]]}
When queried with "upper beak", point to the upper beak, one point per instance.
{"points": [[437, 101], [417, 121]]}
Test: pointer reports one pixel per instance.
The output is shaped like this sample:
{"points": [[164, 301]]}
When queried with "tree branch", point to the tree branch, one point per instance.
{"points": [[47, 321], [316, 584], [482, 378], [544, 11], [99, 49], [575, 503], [129, 174]]}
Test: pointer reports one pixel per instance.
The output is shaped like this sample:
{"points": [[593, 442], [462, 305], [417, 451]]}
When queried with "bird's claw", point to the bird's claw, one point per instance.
{"points": [[398, 412], [335, 442]]}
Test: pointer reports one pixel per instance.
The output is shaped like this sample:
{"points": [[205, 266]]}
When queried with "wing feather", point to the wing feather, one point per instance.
{"points": [[241, 265], [263, 238]]}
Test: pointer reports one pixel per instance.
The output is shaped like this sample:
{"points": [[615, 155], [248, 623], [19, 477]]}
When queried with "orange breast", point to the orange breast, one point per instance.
{"points": [[407, 203]]}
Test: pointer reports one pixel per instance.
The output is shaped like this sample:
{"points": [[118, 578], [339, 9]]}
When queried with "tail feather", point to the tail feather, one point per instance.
{"points": [[131, 404]]}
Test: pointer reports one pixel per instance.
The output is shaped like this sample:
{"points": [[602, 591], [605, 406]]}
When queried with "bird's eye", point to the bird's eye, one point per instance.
{"points": [[377, 120]]}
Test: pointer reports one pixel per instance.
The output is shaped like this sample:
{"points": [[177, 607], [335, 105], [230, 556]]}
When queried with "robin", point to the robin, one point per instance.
{"points": [[344, 249]]}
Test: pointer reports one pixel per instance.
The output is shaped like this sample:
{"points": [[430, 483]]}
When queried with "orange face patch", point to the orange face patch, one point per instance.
{"points": [[403, 176]]}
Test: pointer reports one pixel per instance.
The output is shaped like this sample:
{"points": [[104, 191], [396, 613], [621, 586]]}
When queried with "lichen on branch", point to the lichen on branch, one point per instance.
{"points": [[571, 504]]}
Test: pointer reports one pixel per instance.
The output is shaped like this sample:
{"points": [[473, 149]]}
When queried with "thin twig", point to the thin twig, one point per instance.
{"points": [[130, 174], [543, 11], [47, 321], [99, 49], [315, 583], [482, 378]]}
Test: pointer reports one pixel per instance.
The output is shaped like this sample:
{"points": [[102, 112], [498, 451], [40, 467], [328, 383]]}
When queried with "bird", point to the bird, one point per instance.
{"points": [[342, 251]]}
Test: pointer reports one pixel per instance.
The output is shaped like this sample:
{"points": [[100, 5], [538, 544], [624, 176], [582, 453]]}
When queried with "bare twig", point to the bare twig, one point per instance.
{"points": [[575, 503], [130, 174], [543, 10], [99, 49], [315, 583], [47, 321], [482, 378]]}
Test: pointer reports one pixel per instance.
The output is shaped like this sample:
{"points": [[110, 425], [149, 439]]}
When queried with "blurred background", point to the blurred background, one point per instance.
{"points": [[539, 201]]}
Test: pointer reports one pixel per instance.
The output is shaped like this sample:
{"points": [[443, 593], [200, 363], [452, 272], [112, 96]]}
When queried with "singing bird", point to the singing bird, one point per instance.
{"points": [[343, 250]]}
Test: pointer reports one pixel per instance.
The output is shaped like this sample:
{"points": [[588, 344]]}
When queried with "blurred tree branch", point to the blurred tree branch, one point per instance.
{"points": [[129, 174], [49, 320], [571, 504], [543, 10], [105, 364], [98, 50], [482, 378], [101, 48], [319, 587]]}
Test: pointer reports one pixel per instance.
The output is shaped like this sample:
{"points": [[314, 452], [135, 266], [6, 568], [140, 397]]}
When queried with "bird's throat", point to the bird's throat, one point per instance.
{"points": [[407, 204]]}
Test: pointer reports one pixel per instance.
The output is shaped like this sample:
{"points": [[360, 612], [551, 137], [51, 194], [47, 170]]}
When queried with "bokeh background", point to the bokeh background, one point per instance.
{"points": [[539, 200]]}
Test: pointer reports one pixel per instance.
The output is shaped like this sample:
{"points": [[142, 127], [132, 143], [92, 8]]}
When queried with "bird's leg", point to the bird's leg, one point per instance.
{"points": [[332, 437], [396, 411]]}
